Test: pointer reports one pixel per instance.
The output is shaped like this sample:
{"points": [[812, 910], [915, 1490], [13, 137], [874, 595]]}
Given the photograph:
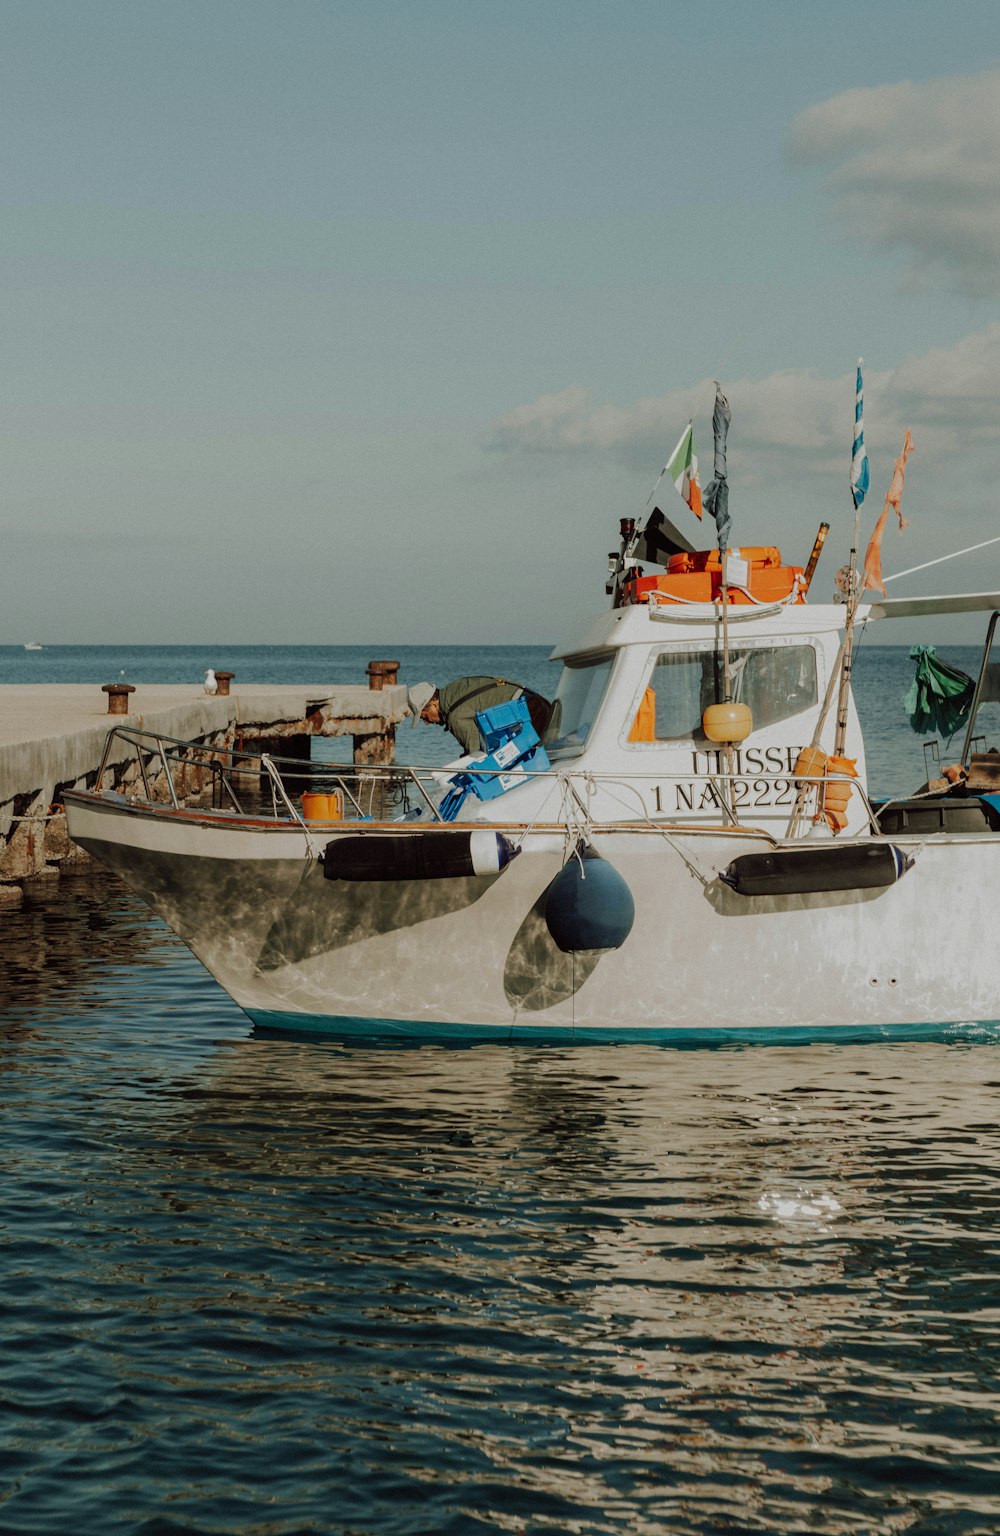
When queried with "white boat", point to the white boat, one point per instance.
{"points": [[716, 901], [33, 645]]}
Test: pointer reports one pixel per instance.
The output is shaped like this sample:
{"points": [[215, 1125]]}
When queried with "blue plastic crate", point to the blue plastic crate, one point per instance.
{"points": [[502, 721], [515, 751]]}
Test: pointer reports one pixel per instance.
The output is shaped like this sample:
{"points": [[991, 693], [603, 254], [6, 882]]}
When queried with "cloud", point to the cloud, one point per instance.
{"points": [[792, 409], [953, 391], [791, 419], [569, 421], [916, 167]]}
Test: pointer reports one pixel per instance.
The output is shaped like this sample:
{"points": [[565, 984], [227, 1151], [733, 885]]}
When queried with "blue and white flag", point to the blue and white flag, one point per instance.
{"points": [[859, 459]]}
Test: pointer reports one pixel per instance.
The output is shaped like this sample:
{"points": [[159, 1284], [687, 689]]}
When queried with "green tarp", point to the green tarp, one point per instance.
{"points": [[939, 696]]}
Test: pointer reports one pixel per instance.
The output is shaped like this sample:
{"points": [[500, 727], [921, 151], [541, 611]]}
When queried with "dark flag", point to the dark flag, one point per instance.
{"points": [[716, 497], [659, 539]]}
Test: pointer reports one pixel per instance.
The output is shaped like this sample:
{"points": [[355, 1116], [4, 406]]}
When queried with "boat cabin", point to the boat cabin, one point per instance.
{"points": [[632, 700], [636, 709]]}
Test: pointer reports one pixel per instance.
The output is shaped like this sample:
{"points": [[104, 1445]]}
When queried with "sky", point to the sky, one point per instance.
{"points": [[365, 321]]}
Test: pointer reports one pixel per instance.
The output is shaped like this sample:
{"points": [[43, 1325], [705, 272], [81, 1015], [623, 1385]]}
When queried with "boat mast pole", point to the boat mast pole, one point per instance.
{"points": [[727, 684], [717, 497], [808, 782], [859, 489], [729, 750], [842, 683], [847, 650]]}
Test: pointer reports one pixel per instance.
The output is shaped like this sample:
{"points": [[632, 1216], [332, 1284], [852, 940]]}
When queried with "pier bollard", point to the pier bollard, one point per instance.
{"points": [[118, 697], [223, 679], [382, 674]]}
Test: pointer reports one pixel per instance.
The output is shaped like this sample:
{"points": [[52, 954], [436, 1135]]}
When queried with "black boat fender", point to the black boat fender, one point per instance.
{"points": [[801, 871], [423, 855]]}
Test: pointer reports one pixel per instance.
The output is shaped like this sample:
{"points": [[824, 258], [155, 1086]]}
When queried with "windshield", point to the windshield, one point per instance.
{"points": [[775, 681], [578, 698]]}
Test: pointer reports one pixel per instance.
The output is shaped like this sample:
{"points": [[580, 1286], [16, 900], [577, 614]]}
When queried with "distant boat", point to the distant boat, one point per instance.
{"points": [[33, 645]]}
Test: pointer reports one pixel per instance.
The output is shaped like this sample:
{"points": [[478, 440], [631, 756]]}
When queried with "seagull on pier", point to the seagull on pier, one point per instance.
{"points": [[211, 682]]}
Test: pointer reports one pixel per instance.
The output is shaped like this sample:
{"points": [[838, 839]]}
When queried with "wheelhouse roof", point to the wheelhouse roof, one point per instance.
{"points": [[642, 624], [638, 624]]}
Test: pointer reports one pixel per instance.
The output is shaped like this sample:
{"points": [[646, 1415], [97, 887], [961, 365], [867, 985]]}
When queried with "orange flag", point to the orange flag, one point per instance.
{"points": [[873, 554]]}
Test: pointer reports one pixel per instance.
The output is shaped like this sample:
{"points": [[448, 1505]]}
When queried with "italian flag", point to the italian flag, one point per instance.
{"points": [[682, 467]]}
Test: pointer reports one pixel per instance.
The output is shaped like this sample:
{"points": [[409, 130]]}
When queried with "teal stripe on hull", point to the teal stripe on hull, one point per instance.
{"points": [[410, 1030]]}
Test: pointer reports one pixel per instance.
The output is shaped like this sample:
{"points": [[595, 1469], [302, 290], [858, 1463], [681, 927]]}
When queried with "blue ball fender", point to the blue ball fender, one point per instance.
{"points": [[589, 905]]}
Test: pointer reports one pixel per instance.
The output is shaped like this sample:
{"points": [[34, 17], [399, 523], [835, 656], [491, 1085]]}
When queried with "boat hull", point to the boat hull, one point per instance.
{"points": [[471, 958]]}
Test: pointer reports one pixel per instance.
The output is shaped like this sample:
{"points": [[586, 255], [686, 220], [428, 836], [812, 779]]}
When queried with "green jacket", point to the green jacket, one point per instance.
{"points": [[462, 700]]}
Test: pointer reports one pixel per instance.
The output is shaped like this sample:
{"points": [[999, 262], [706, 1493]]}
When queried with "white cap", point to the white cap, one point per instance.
{"points": [[418, 697]]}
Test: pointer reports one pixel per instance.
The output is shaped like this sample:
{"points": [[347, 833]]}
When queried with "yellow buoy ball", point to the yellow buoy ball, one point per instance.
{"points": [[727, 722]]}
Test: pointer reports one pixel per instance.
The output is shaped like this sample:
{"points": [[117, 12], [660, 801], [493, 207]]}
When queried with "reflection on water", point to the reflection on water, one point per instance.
{"points": [[274, 1286], [70, 942]]}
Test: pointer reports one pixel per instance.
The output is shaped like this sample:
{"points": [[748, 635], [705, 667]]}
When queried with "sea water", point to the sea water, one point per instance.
{"points": [[276, 1287]]}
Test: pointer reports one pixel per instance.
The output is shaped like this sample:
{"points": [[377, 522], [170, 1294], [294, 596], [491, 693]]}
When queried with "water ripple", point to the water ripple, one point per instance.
{"points": [[278, 1287]]}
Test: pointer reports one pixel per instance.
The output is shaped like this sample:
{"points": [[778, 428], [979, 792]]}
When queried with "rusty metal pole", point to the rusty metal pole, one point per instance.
{"points": [[223, 679]]}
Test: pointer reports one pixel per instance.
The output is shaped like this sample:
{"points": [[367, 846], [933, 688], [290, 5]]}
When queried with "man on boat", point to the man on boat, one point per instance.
{"points": [[457, 704]]}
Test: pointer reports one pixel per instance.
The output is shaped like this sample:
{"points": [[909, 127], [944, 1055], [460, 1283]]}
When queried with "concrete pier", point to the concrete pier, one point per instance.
{"points": [[52, 738]]}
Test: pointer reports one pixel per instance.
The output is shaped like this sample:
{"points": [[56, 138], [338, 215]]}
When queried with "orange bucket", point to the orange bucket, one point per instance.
{"points": [[323, 805]]}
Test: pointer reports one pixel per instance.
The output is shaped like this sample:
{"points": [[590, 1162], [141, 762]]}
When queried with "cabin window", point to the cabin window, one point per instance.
{"points": [[775, 681], [578, 698]]}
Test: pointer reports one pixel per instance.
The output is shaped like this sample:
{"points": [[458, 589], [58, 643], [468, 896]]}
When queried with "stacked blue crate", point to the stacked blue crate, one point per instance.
{"points": [[513, 750]]}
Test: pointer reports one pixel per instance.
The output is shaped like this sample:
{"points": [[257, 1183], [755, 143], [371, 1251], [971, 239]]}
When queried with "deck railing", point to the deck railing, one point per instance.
{"points": [[184, 773]]}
